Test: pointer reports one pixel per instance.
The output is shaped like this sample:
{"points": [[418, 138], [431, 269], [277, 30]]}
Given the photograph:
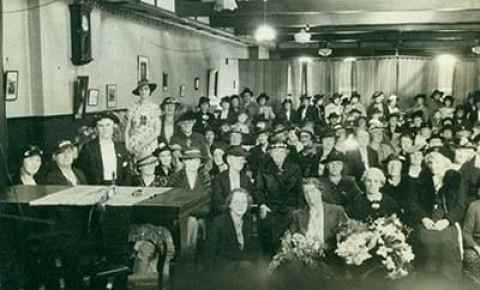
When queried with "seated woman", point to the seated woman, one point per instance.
{"points": [[31, 163], [165, 166], [63, 172], [147, 177], [437, 205], [396, 185], [233, 244], [373, 204], [318, 220]]}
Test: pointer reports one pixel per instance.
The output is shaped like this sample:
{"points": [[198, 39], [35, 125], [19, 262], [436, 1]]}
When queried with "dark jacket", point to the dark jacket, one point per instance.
{"points": [[282, 116], [280, 189], [334, 215], [423, 199], [223, 246], [257, 159], [221, 189], [90, 162], [203, 120], [343, 193], [56, 177], [195, 140], [364, 210], [310, 115], [355, 165], [470, 180]]}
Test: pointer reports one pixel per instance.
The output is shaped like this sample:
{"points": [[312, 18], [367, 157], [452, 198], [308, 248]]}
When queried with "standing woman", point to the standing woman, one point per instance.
{"points": [[31, 163], [437, 206], [143, 125]]}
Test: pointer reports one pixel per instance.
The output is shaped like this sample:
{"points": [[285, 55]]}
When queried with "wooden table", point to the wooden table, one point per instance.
{"points": [[170, 209]]}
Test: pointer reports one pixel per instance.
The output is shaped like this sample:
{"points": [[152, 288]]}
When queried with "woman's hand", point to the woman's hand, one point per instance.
{"points": [[428, 224], [442, 224]]}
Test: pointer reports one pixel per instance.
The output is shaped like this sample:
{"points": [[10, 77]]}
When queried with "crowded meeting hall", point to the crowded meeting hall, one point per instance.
{"points": [[239, 145]]}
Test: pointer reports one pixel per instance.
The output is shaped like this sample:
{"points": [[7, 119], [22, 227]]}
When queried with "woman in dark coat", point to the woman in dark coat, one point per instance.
{"points": [[373, 204], [233, 245], [31, 161], [437, 206], [63, 172]]}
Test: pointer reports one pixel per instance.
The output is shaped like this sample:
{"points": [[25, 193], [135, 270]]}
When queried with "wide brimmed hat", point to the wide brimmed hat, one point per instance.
{"points": [[336, 96], [245, 91], [237, 151], [377, 94], [187, 116], [328, 133], [420, 96], [287, 100], [62, 145], [307, 130], [31, 150], [148, 160], [142, 83], [334, 156], [203, 100], [263, 96], [279, 128], [303, 97], [436, 92], [449, 98], [161, 148], [107, 115], [225, 99], [192, 153], [355, 95], [168, 101]]}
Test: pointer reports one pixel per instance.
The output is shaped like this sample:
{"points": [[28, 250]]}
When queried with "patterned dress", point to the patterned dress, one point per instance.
{"points": [[144, 119]]}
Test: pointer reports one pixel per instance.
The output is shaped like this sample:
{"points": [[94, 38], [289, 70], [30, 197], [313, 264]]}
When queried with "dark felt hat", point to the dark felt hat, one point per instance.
{"points": [[203, 100], [238, 151], [334, 156], [187, 116], [304, 97], [62, 145], [161, 148], [169, 100], [142, 83], [107, 115], [31, 150], [192, 153], [420, 96], [263, 96]]}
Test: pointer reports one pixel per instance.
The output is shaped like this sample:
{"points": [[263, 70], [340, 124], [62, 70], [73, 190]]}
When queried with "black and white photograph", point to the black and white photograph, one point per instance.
{"points": [[11, 85], [240, 145]]}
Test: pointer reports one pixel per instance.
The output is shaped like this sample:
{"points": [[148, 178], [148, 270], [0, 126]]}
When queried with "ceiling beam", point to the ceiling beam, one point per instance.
{"points": [[328, 19]]}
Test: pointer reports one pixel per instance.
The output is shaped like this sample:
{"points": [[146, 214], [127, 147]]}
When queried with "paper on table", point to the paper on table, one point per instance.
{"points": [[78, 195], [125, 196]]}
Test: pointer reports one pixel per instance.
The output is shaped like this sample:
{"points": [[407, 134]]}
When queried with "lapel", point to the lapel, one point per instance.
{"points": [[97, 154], [118, 156], [226, 181], [231, 230]]}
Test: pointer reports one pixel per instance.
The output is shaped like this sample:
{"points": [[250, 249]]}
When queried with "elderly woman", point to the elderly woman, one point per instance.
{"points": [[63, 172], [437, 206], [147, 177], [143, 125], [373, 204], [31, 163]]}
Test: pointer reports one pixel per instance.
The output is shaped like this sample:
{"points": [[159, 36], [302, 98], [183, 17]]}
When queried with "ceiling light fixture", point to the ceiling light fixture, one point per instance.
{"points": [[265, 32], [303, 36], [325, 51]]}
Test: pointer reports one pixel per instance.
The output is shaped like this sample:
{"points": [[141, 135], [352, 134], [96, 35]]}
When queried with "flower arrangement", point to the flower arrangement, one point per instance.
{"points": [[299, 249], [384, 239]]}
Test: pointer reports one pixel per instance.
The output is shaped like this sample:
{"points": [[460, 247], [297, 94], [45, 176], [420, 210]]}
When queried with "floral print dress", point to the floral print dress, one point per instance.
{"points": [[144, 121]]}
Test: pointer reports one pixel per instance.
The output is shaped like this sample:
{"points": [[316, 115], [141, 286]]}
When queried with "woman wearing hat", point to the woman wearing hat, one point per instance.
{"points": [[287, 113], [143, 125], [265, 111], [335, 106], [204, 118], [448, 108], [30, 164], [306, 111], [193, 178], [63, 172], [147, 178], [420, 106], [169, 108], [355, 104]]}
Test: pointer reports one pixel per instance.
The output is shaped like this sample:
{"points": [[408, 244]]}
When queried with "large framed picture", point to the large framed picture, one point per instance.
{"points": [[93, 97], [11, 85], [111, 93], [142, 69]]}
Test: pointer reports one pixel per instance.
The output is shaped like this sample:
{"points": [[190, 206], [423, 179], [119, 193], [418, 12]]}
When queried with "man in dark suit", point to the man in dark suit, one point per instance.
{"points": [[186, 137], [103, 160], [470, 172], [204, 118], [230, 179], [306, 112], [287, 114], [363, 157]]}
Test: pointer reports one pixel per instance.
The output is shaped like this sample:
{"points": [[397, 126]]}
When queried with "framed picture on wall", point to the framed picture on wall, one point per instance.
{"points": [[182, 91], [93, 97], [165, 81], [196, 83], [212, 83], [111, 93], [11, 85], [142, 67]]}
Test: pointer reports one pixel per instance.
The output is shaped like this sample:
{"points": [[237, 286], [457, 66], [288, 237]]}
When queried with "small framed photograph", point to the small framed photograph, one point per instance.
{"points": [[182, 91], [165, 82], [11, 85], [111, 93], [196, 83], [142, 69], [93, 97]]}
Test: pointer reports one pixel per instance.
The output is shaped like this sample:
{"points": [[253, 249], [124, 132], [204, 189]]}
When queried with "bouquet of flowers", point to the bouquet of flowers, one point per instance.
{"points": [[384, 240], [298, 249]]}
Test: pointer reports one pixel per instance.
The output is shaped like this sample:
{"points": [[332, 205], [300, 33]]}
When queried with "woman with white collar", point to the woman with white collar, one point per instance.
{"points": [[373, 204], [437, 205]]}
